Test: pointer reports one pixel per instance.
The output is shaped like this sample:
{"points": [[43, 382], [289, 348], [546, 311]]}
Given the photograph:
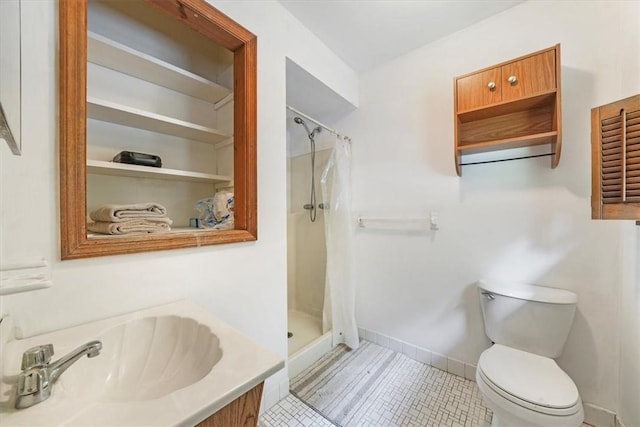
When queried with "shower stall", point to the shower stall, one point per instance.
{"points": [[320, 285], [308, 149]]}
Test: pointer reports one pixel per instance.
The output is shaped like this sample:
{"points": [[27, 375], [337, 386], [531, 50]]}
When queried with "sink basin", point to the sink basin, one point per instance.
{"points": [[172, 365], [145, 359]]}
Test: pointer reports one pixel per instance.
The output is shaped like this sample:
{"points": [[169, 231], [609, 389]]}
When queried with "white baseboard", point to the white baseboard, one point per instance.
{"points": [[284, 388], [428, 357], [598, 417], [270, 396], [619, 422], [274, 394]]}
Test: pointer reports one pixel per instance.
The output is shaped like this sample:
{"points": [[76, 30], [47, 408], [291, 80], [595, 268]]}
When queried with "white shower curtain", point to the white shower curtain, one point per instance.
{"points": [[340, 293]]}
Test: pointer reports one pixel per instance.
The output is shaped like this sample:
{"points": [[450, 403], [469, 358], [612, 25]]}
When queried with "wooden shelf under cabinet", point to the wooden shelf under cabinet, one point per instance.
{"points": [[509, 143], [108, 53], [514, 104]]}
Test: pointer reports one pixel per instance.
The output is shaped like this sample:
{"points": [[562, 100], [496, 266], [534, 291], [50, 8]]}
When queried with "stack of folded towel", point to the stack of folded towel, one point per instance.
{"points": [[139, 218]]}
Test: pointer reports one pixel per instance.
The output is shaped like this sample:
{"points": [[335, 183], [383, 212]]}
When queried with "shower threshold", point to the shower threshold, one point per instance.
{"points": [[309, 354]]}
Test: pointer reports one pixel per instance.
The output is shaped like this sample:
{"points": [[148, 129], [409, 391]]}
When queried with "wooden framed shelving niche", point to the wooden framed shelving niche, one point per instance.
{"points": [[118, 86], [513, 104]]}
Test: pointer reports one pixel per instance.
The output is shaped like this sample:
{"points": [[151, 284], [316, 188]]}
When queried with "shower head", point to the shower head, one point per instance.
{"points": [[310, 133]]}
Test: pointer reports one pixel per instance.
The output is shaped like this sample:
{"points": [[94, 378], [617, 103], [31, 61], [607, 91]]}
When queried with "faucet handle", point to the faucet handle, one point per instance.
{"points": [[37, 356]]}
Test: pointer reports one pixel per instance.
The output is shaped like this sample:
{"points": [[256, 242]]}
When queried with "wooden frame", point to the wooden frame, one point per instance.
{"points": [[205, 19], [599, 209]]}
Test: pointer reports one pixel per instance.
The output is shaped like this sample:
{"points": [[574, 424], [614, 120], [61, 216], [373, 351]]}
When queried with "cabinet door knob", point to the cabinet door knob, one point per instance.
{"points": [[491, 85], [512, 80]]}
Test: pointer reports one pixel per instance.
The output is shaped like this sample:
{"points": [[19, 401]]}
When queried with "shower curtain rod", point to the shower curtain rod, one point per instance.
{"points": [[333, 131]]}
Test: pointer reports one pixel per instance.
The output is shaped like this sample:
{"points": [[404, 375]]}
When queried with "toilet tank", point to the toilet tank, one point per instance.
{"points": [[530, 318]]}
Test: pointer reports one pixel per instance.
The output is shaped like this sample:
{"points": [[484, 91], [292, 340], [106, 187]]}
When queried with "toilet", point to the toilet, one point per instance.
{"points": [[517, 376]]}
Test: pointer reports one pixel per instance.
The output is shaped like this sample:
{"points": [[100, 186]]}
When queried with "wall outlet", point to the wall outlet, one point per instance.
{"points": [[434, 220]]}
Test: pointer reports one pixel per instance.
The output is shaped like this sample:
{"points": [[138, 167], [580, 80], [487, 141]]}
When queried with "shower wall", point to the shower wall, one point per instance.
{"points": [[306, 251]]}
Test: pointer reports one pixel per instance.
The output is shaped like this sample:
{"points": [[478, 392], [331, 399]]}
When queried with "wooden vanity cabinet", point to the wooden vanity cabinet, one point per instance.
{"points": [[510, 105], [242, 412]]}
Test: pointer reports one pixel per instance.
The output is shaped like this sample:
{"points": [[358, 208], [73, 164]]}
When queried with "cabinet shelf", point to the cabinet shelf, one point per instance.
{"points": [[100, 167], [133, 117], [508, 107], [509, 143], [113, 55]]}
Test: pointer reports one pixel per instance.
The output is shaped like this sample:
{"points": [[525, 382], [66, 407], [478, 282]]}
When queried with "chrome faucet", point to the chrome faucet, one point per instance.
{"points": [[38, 375]]}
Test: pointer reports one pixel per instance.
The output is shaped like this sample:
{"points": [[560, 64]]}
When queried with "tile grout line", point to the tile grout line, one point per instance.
{"points": [[293, 393]]}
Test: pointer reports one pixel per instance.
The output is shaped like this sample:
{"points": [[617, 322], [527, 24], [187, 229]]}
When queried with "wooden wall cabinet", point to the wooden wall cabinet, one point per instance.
{"points": [[615, 160], [510, 105], [167, 77]]}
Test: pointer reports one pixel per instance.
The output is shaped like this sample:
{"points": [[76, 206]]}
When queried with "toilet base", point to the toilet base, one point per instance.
{"points": [[509, 414], [506, 419]]}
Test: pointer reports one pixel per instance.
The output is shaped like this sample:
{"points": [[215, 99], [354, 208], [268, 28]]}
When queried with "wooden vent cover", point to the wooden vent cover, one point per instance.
{"points": [[615, 152]]}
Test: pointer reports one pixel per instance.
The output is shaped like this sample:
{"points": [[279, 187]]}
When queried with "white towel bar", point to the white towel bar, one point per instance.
{"points": [[22, 275], [395, 223]]}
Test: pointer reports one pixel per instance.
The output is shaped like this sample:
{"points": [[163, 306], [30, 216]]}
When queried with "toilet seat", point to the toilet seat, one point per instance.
{"points": [[528, 380]]}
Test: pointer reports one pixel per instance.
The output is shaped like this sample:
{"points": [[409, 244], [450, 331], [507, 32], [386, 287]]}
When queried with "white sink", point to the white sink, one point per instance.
{"points": [[171, 365], [146, 359]]}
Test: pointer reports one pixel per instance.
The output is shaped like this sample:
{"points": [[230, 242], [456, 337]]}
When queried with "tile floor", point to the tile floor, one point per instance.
{"points": [[293, 412], [410, 394], [458, 404]]}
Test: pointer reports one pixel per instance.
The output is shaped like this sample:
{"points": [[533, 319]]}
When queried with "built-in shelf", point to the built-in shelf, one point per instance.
{"points": [[100, 167], [133, 117], [509, 143], [113, 55], [174, 231], [224, 101]]}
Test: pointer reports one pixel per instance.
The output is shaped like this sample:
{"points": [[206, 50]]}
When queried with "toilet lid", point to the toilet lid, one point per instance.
{"points": [[535, 379]]}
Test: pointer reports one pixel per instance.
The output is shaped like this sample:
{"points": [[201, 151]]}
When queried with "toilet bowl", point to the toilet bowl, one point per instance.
{"points": [[517, 376], [526, 390]]}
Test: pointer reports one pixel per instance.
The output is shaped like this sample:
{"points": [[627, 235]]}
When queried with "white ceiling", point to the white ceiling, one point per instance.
{"points": [[367, 33]]}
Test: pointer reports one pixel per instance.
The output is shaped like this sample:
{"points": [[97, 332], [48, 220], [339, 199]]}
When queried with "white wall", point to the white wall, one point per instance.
{"points": [[307, 251], [244, 284], [628, 409], [517, 220]]}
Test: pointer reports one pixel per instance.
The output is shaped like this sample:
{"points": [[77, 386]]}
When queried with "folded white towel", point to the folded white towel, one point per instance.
{"points": [[132, 226], [119, 213]]}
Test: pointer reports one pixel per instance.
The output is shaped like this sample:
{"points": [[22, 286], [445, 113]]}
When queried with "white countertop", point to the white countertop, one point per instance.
{"points": [[243, 365]]}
